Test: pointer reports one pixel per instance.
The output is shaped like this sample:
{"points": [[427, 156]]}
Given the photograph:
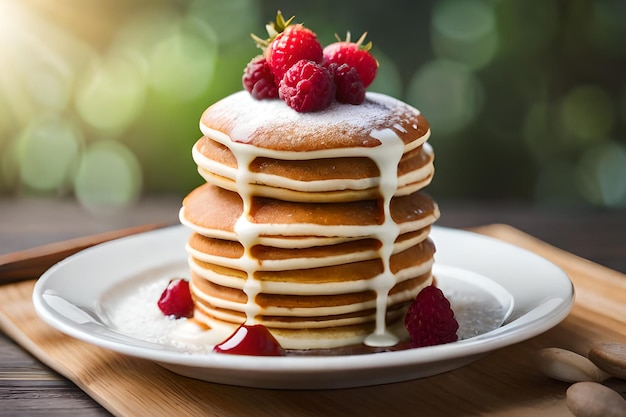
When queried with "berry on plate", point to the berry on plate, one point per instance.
{"points": [[254, 339], [176, 299], [258, 79], [355, 54], [430, 320], [307, 87]]}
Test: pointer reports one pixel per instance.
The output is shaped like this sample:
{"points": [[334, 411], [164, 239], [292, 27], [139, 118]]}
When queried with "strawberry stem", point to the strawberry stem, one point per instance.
{"points": [[281, 24], [365, 47], [273, 29]]}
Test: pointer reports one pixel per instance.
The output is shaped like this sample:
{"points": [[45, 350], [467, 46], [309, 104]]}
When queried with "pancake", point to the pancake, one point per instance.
{"points": [[329, 158], [213, 212], [270, 127], [314, 225]]}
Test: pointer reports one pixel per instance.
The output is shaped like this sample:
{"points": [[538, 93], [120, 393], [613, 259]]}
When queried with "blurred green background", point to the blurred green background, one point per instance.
{"points": [[100, 99]]}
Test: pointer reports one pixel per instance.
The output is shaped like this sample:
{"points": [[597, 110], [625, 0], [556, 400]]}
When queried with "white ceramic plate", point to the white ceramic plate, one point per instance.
{"points": [[533, 296]]}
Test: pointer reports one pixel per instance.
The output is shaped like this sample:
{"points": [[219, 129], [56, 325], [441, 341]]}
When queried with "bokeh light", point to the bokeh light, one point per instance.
{"points": [[465, 31], [587, 114], [37, 72], [50, 90], [47, 153], [528, 29], [602, 175], [108, 176], [526, 100], [113, 91], [448, 93], [182, 63], [231, 21]]}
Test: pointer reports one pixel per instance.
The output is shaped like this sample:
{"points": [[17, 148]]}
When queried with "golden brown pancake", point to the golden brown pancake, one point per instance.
{"points": [[269, 124]]}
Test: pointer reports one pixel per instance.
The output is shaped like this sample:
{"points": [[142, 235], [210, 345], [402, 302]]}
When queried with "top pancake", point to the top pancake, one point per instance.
{"points": [[339, 154], [272, 125]]}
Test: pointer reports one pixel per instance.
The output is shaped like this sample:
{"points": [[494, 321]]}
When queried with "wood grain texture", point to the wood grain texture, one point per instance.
{"points": [[29, 263], [503, 383]]}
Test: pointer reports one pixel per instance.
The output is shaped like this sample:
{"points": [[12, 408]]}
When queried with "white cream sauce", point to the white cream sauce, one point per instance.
{"points": [[386, 156]]}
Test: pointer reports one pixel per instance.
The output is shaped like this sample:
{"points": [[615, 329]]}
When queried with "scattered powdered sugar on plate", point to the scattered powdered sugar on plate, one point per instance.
{"points": [[476, 311], [136, 313], [133, 311], [480, 305]]}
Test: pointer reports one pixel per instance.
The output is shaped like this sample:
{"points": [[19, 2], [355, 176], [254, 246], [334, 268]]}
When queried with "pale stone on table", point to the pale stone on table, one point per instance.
{"points": [[567, 366], [610, 357], [591, 399]]}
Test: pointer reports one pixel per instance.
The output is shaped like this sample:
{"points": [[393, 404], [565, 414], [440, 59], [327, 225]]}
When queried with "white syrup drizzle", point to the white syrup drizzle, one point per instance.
{"points": [[386, 156], [247, 234]]}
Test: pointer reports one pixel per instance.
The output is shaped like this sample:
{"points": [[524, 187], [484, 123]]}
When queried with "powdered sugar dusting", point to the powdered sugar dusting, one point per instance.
{"points": [[272, 124]]}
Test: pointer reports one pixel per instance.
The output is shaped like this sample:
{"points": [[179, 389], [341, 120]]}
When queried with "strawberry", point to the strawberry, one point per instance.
{"points": [[258, 79], [294, 44], [176, 299], [307, 87], [288, 44], [430, 320], [355, 54]]}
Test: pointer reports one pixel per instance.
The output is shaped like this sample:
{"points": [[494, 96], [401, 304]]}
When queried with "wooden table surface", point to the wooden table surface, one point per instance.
{"points": [[28, 388]]}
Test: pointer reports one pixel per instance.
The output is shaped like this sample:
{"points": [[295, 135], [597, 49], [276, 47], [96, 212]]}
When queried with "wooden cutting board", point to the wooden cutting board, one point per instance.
{"points": [[505, 383]]}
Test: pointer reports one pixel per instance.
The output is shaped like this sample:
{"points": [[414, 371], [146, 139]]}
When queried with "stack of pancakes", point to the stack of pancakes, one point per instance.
{"points": [[311, 224]]}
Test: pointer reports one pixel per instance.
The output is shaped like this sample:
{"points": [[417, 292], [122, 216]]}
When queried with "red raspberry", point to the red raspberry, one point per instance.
{"points": [[176, 299], [295, 43], [430, 320], [258, 79], [355, 55], [307, 87], [350, 89]]}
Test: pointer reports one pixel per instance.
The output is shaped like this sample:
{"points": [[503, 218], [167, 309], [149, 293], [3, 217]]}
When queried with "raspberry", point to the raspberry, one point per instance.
{"points": [[307, 87], [176, 299], [350, 89], [258, 79], [295, 43], [430, 320], [356, 55]]}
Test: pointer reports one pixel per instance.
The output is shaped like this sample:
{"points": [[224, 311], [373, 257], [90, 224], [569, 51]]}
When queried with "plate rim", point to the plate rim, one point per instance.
{"points": [[481, 344]]}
